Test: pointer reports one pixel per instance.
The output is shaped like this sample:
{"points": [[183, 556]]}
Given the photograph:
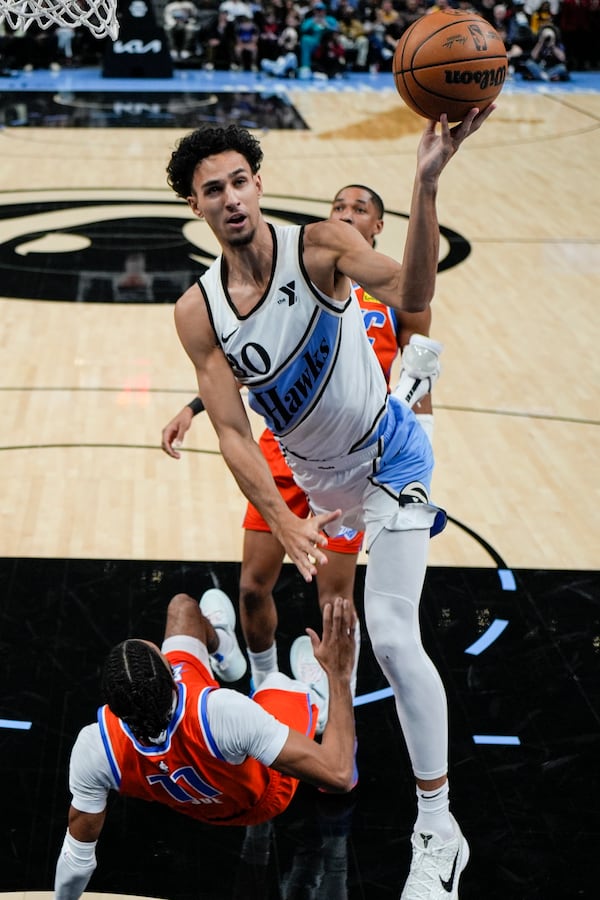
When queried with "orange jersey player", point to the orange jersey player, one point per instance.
{"points": [[168, 733]]}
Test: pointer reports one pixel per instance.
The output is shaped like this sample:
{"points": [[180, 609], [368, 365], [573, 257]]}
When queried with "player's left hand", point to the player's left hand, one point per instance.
{"points": [[437, 148]]}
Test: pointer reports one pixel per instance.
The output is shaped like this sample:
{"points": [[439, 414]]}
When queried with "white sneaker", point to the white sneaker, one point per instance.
{"points": [[420, 369], [436, 866], [307, 670], [218, 609]]}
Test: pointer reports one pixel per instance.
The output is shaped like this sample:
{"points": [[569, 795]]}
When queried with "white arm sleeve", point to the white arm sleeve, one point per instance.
{"points": [[242, 728], [74, 869], [90, 775]]}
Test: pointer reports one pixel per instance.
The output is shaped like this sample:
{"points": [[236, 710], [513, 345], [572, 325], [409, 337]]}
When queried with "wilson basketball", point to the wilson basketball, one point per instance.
{"points": [[448, 62]]}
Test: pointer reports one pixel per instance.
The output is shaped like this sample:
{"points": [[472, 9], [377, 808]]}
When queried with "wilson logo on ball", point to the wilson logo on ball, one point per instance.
{"points": [[493, 77]]}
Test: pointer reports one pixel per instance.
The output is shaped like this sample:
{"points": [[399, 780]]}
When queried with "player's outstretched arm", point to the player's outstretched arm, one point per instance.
{"points": [[330, 764], [77, 859], [422, 247]]}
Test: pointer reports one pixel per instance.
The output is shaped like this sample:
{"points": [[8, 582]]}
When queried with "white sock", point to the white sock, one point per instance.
{"points": [[425, 420], [262, 664], [434, 812]]}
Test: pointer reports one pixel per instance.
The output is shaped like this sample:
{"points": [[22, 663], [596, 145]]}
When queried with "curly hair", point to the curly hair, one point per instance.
{"points": [[208, 141], [138, 688]]}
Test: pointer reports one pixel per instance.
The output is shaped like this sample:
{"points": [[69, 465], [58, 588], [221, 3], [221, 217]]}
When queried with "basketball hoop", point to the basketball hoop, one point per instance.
{"points": [[99, 16]]}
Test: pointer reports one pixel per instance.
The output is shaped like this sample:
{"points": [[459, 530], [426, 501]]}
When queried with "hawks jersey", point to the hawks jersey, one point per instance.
{"points": [[186, 772], [298, 353]]}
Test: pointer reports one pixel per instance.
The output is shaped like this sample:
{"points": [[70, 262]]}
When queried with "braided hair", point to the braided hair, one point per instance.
{"points": [[139, 688], [208, 141]]}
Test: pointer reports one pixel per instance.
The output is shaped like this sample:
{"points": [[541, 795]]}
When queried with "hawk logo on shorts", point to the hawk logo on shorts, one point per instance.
{"points": [[413, 492]]}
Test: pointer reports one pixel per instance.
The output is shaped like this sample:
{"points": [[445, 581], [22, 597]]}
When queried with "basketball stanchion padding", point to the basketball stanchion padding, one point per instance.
{"points": [[99, 16]]}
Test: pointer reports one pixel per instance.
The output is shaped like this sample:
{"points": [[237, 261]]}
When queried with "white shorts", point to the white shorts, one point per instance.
{"points": [[384, 485]]}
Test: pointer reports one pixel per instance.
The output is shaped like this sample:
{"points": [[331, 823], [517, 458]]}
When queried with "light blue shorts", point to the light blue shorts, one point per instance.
{"points": [[384, 485]]}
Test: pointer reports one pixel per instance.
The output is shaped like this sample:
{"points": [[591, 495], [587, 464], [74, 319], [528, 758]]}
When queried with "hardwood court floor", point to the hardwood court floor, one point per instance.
{"points": [[98, 528], [87, 386]]}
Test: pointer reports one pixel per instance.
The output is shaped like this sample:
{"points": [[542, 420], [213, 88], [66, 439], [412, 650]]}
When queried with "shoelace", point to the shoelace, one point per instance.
{"points": [[426, 864]]}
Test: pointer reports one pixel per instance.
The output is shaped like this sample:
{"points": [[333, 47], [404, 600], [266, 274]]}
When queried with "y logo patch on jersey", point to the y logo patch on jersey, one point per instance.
{"points": [[289, 292]]}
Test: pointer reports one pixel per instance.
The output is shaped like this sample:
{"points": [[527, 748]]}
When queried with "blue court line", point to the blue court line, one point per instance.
{"points": [[507, 580], [488, 637], [505, 739], [373, 696], [15, 723]]}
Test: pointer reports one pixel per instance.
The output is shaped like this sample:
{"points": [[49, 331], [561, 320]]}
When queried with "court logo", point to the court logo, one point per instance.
{"points": [[87, 247]]}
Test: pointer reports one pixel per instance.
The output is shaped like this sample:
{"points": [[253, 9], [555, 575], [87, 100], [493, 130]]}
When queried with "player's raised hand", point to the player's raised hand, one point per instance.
{"points": [[336, 649], [436, 148]]}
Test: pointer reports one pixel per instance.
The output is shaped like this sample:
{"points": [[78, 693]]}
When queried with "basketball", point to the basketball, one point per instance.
{"points": [[448, 62]]}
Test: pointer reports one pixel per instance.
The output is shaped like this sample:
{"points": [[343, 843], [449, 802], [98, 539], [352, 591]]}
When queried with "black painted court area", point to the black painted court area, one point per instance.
{"points": [[530, 809], [64, 108]]}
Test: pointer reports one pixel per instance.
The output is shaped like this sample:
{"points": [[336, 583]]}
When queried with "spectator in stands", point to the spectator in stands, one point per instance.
{"points": [[541, 16], [328, 57], [269, 28], [575, 23], [515, 30], [180, 21], [384, 33], [245, 49], [35, 48], [312, 26], [548, 60], [411, 11], [218, 43], [353, 38], [286, 63], [235, 9]]}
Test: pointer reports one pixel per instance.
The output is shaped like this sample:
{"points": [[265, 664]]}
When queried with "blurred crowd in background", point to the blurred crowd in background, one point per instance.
{"points": [[545, 39]]}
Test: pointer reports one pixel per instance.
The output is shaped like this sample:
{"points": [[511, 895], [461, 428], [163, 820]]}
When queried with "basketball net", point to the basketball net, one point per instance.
{"points": [[100, 16]]}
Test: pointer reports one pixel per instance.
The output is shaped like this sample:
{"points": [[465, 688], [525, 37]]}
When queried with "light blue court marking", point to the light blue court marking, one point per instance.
{"points": [[373, 696], [488, 637], [507, 580], [192, 80], [504, 739], [14, 723]]}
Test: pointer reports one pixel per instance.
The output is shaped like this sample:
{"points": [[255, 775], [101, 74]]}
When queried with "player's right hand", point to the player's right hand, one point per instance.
{"points": [[336, 650], [302, 539], [174, 432]]}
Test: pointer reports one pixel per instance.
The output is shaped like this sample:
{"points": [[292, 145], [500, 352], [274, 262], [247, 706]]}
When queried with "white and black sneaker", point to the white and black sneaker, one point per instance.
{"points": [[420, 369], [306, 669], [436, 866], [229, 664]]}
